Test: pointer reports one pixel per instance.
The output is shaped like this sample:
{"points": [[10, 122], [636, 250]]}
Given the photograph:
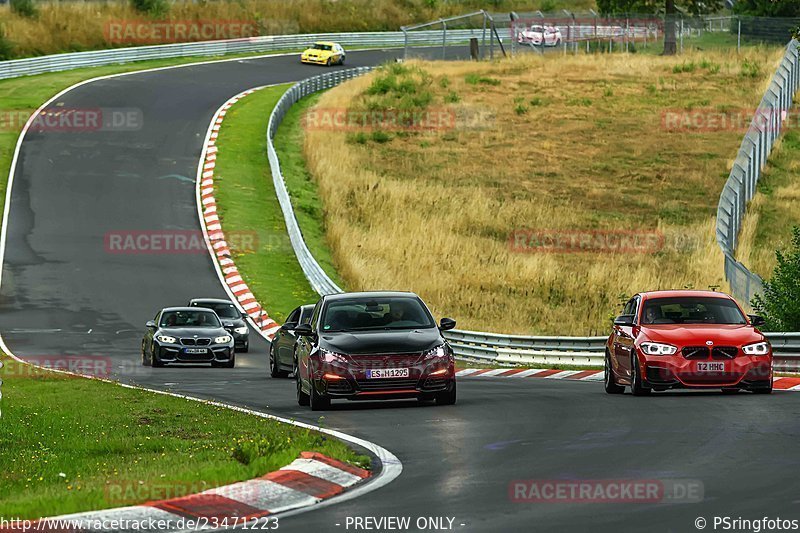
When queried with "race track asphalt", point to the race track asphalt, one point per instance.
{"points": [[64, 293]]}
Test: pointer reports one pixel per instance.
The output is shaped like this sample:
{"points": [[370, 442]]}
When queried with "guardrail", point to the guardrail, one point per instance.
{"points": [[468, 345], [740, 188], [268, 43]]}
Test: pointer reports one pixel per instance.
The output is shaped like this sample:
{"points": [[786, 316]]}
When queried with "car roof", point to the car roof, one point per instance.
{"points": [[211, 300], [307, 307], [684, 293], [369, 294], [186, 308], [329, 43]]}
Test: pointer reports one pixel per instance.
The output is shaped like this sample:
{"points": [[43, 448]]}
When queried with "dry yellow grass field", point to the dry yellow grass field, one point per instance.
{"points": [[76, 25], [560, 145]]}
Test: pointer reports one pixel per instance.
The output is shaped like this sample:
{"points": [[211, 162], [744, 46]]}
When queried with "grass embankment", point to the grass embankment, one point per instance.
{"points": [[774, 209], [247, 202], [64, 451], [553, 145], [74, 26]]}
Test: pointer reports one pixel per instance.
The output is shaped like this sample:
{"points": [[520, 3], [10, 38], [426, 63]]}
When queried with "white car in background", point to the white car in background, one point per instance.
{"points": [[540, 35]]}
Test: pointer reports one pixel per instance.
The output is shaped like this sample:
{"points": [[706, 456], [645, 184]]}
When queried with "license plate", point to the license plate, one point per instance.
{"points": [[711, 367], [388, 373], [195, 351]]}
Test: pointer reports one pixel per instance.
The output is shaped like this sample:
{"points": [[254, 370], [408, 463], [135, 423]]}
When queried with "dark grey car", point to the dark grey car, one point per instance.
{"points": [[187, 335], [232, 319], [281, 351]]}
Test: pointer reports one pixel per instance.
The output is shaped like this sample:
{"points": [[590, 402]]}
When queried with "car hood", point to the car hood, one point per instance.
{"points": [[382, 342], [191, 332], [232, 322], [699, 334], [320, 53]]}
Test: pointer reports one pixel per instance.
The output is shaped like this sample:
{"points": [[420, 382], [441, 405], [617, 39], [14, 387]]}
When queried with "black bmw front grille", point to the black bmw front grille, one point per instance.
{"points": [[195, 342], [724, 352], [695, 352]]}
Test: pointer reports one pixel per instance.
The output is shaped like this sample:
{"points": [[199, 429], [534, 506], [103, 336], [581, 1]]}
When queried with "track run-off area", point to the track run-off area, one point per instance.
{"points": [[64, 293]]}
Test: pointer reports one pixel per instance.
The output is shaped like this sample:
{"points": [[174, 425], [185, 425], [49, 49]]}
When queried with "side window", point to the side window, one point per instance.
{"points": [[635, 311], [305, 315], [630, 307], [294, 316], [315, 315], [156, 317]]}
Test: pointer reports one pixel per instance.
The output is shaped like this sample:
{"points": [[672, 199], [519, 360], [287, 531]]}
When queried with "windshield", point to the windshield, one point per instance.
{"points": [[692, 310], [318, 46], [189, 319], [223, 310], [375, 314]]}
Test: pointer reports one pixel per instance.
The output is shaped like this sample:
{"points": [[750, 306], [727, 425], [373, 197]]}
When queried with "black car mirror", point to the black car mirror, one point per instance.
{"points": [[304, 330], [289, 326], [756, 320], [624, 320], [447, 323], [245, 316], [150, 324]]}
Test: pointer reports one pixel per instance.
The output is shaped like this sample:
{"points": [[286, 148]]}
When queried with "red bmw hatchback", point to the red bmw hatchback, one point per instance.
{"points": [[686, 339]]}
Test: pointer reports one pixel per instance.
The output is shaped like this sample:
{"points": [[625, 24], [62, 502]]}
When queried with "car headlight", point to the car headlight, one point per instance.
{"points": [[332, 357], [439, 351], [166, 339], [657, 348], [241, 331], [759, 348], [222, 340]]}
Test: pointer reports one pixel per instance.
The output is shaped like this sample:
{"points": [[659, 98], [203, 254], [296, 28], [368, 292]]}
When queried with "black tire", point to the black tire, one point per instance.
{"points": [[302, 398], [764, 390], [154, 361], [447, 397], [230, 363], [608, 378], [328, 62], [317, 401], [273, 366], [145, 360], [637, 388], [341, 61]]}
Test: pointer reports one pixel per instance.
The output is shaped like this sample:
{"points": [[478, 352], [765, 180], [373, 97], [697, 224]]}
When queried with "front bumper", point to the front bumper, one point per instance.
{"points": [[742, 371], [314, 60], [175, 353], [426, 379]]}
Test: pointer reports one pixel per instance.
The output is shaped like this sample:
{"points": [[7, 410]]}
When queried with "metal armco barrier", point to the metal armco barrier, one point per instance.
{"points": [[740, 188], [268, 43], [468, 345]]}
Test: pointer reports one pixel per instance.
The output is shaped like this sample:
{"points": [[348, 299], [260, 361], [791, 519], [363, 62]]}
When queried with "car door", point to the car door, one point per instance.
{"points": [[284, 339], [305, 345], [623, 339]]}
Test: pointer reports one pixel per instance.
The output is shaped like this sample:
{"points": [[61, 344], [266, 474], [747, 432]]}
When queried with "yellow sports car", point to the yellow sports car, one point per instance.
{"points": [[324, 53]]}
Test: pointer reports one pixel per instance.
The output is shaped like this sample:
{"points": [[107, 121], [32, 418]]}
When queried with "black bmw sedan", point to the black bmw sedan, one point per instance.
{"points": [[187, 335], [232, 320], [373, 345]]}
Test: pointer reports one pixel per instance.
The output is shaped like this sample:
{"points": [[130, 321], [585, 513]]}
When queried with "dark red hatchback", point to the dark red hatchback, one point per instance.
{"points": [[373, 345]]}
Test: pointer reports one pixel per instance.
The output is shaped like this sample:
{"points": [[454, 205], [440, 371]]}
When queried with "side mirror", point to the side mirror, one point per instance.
{"points": [[304, 330], [150, 324], [446, 324], [245, 316], [624, 321], [288, 326], [756, 320]]}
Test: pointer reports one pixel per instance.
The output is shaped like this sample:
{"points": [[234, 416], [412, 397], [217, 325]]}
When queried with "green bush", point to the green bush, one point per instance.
{"points": [[24, 8], [6, 48], [150, 7], [780, 303]]}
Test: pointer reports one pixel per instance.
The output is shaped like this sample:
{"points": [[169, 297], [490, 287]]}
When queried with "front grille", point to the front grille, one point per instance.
{"points": [[695, 352], [724, 352], [195, 342], [386, 384]]}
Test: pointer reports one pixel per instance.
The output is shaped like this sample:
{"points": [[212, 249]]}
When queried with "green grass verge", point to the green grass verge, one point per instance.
{"points": [[248, 205], [66, 452]]}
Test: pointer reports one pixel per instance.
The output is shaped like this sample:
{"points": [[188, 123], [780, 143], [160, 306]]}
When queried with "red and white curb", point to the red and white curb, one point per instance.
{"points": [[306, 481], [778, 383], [212, 227]]}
